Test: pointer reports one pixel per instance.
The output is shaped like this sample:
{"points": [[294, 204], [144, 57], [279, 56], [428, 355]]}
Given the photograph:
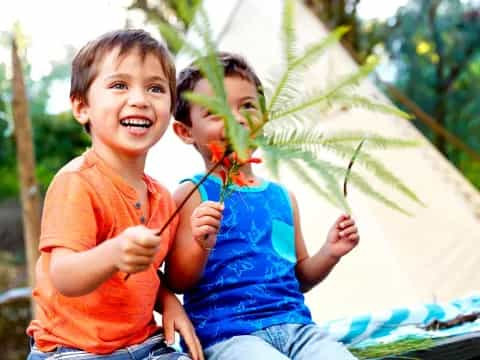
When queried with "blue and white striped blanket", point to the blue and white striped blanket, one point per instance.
{"points": [[400, 323]]}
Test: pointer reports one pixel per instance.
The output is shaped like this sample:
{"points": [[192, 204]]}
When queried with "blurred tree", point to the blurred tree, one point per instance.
{"points": [[434, 54], [342, 12], [30, 196], [57, 137]]}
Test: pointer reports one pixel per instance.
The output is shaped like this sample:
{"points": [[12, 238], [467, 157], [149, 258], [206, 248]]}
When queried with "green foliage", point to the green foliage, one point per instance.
{"points": [[57, 137], [434, 55], [287, 132], [396, 350], [435, 48]]}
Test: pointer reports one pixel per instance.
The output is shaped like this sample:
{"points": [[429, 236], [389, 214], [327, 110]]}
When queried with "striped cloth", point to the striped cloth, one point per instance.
{"points": [[400, 323]]}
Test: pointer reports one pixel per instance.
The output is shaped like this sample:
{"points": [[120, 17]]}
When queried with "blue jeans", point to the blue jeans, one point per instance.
{"points": [[154, 348], [280, 342]]}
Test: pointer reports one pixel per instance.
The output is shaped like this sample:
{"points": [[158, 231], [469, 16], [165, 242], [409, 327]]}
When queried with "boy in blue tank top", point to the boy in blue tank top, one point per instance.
{"points": [[243, 282]]}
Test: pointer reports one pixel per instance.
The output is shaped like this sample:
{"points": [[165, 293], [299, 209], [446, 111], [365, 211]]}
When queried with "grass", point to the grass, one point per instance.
{"points": [[394, 349]]}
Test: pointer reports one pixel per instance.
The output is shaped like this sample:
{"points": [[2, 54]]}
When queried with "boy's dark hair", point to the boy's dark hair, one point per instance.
{"points": [[86, 61], [233, 65]]}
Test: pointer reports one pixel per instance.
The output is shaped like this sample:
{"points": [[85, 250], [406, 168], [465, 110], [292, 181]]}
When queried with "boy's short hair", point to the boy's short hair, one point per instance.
{"points": [[188, 78], [86, 61]]}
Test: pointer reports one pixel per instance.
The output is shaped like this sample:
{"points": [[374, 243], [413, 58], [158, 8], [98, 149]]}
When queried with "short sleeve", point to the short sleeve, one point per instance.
{"points": [[70, 215]]}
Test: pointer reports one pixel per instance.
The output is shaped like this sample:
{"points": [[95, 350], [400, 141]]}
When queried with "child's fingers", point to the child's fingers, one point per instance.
{"points": [[205, 230], [206, 211], [147, 241], [348, 231], [354, 238], [206, 220], [192, 343], [169, 330], [213, 205], [345, 223]]}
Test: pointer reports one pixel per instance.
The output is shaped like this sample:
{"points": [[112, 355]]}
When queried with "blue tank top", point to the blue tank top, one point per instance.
{"points": [[249, 281]]}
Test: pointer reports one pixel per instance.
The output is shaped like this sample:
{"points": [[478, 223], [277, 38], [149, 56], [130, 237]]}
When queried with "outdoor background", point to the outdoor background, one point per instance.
{"points": [[430, 51]]}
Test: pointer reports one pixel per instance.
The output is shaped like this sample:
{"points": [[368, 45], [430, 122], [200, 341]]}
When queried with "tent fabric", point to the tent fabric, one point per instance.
{"points": [[430, 257], [406, 322]]}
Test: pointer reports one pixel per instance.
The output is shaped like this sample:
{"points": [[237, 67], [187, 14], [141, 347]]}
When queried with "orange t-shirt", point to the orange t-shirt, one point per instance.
{"points": [[85, 206]]}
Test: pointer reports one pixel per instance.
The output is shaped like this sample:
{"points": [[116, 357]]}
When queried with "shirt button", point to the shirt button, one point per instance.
{"points": [[138, 205], [142, 219]]}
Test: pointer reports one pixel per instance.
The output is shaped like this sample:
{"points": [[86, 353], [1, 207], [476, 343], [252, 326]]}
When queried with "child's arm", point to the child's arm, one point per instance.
{"points": [[198, 224], [79, 273], [175, 318], [341, 239]]}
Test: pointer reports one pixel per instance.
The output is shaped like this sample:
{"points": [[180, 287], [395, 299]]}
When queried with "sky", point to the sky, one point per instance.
{"points": [[76, 22]]}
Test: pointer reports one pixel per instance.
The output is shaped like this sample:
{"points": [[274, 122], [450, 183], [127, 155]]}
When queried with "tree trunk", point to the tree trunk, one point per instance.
{"points": [[30, 196]]}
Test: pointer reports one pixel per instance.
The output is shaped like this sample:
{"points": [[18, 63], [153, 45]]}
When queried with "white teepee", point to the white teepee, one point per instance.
{"points": [[400, 260]]}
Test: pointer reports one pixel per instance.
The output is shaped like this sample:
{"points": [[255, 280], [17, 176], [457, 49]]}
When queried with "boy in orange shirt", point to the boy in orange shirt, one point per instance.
{"points": [[102, 215]]}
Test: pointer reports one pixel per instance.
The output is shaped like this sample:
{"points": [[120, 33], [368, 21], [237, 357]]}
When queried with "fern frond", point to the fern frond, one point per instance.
{"points": [[353, 100], [331, 182], [362, 185], [209, 63], [314, 51], [176, 39], [213, 71], [288, 30], [294, 158], [374, 141], [185, 10], [326, 96], [285, 90], [314, 140], [238, 136], [300, 172], [377, 168]]}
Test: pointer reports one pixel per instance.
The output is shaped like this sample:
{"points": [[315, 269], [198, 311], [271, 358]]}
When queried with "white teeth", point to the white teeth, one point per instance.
{"points": [[136, 122]]}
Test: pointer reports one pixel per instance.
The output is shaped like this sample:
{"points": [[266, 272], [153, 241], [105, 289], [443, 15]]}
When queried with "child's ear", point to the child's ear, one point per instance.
{"points": [[183, 131], [80, 110]]}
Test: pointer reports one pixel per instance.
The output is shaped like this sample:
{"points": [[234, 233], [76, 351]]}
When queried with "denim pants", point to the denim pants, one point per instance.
{"points": [[154, 348], [280, 342]]}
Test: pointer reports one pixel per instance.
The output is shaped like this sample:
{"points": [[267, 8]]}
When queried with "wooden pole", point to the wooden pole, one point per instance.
{"points": [[30, 197]]}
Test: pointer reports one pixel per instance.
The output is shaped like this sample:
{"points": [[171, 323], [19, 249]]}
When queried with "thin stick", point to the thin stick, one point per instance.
{"points": [[184, 201], [350, 164]]}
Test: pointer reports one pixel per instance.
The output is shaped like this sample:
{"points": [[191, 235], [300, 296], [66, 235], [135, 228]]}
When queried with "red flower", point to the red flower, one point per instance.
{"points": [[217, 149], [226, 162], [239, 179], [253, 161], [223, 175]]}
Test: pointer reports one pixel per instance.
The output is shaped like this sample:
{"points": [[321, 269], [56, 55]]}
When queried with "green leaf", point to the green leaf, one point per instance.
{"points": [[288, 30], [314, 51]]}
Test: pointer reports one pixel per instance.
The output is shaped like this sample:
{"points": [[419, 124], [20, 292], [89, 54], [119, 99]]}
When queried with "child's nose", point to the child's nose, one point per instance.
{"points": [[241, 119], [137, 98]]}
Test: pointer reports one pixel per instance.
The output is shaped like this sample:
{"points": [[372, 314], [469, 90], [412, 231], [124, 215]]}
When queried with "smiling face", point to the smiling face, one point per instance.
{"points": [[128, 104], [206, 128]]}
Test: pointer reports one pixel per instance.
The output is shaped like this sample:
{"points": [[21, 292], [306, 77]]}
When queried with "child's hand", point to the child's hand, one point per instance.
{"points": [[342, 237], [137, 246], [175, 318], [205, 222]]}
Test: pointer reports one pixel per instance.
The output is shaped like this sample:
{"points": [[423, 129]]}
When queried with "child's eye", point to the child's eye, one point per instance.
{"points": [[249, 106], [160, 89], [118, 86]]}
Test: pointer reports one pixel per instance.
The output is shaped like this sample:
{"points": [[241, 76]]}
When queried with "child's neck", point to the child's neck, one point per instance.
{"points": [[131, 169], [245, 169]]}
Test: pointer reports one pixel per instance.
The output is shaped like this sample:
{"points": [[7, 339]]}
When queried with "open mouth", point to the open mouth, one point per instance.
{"points": [[136, 123]]}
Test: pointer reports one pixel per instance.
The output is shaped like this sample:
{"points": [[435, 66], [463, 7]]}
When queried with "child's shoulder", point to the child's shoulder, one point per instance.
{"points": [[157, 186], [74, 174], [74, 165]]}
